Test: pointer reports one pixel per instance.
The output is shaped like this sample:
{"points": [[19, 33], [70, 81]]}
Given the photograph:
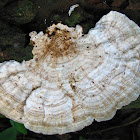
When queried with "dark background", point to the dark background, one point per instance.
{"points": [[19, 17]]}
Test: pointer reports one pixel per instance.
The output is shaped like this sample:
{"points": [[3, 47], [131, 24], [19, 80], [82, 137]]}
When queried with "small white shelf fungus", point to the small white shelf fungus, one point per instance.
{"points": [[73, 79], [72, 8]]}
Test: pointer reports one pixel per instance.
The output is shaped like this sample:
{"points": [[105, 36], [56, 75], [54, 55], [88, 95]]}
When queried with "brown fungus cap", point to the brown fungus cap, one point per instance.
{"points": [[73, 80], [58, 44]]}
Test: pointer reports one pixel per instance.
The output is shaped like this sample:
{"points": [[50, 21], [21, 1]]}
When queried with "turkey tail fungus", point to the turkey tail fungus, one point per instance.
{"points": [[73, 79]]}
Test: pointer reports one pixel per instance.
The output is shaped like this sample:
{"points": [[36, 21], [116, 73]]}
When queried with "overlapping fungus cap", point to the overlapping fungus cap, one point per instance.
{"points": [[73, 79]]}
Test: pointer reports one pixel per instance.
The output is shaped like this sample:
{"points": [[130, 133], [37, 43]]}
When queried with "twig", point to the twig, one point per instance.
{"points": [[100, 131]]}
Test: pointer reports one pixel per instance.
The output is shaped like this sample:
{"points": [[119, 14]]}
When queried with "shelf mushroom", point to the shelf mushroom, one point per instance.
{"points": [[73, 79]]}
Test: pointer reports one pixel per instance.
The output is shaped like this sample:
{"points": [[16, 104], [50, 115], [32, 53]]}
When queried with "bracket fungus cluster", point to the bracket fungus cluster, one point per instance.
{"points": [[73, 79]]}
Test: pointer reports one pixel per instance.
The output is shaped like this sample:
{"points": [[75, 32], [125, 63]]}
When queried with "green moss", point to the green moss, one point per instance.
{"points": [[56, 17], [18, 54], [24, 12], [75, 18], [134, 104], [21, 53]]}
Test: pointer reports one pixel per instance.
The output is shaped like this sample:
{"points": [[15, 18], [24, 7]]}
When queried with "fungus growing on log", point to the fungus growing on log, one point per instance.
{"points": [[73, 79]]}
